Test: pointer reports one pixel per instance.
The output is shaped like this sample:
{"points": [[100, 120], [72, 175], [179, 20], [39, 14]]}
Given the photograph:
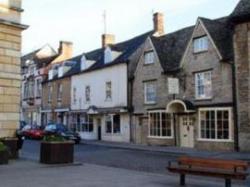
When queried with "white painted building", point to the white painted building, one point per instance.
{"points": [[99, 100]]}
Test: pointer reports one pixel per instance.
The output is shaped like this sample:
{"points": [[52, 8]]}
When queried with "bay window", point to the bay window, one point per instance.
{"points": [[160, 124], [215, 124]]}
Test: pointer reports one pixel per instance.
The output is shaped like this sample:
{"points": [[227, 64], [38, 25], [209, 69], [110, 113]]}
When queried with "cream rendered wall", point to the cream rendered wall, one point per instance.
{"points": [[97, 81]]}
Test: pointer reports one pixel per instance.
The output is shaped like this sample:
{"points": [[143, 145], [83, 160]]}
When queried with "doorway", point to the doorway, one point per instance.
{"points": [[99, 129], [186, 132]]}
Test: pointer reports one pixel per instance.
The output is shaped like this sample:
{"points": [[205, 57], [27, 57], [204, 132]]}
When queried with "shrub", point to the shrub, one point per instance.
{"points": [[53, 138], [2, 147]]}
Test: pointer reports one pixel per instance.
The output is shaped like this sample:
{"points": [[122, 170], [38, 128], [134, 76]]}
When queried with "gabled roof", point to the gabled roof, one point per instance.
{"points": [[222, 35], [242, 11], [171, 47]]}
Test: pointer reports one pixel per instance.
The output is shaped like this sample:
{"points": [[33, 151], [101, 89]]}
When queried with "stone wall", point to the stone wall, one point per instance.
{"points": [[242, 61], [10, 78]]}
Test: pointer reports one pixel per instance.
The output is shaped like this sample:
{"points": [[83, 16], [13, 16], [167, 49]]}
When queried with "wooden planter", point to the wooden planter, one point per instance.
{"points": [[57, 152], [4, 157], [11, 143]]}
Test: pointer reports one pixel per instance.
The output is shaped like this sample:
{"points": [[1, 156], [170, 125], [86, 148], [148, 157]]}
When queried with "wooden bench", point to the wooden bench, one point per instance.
{"points": [[226, 169]]}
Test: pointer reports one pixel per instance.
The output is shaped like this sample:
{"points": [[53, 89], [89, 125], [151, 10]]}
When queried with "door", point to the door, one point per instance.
{"points": [[186, 132], [99, 129]]}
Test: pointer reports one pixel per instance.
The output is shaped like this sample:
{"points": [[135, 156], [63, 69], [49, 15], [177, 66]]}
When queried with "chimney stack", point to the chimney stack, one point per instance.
{"points": [[159, 23], [108, 39], [66, 49]]}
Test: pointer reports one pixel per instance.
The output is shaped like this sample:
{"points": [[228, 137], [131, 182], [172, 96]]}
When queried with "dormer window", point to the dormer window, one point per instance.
{"points": [[200, 44], [110, 55], [107, 55], [83, 63], [149, 57]]}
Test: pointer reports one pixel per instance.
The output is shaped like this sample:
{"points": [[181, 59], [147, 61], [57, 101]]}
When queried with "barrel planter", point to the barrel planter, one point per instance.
{"points": [[4, 157], [57, 152], [11, 143]]}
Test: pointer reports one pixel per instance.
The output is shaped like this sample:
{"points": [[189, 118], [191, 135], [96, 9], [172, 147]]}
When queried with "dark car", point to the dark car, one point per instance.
{"points": [[62, 130], [32, 132]]}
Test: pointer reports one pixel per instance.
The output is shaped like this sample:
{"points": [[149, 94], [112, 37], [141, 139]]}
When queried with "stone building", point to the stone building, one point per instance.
{"points": [[57, 86], [10, 75], [190, 87], [35, 69]]}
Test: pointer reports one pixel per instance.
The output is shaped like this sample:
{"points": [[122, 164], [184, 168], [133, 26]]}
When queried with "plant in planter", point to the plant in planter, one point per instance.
{"points": [[12, 146], [4, 154], [56, 150]]}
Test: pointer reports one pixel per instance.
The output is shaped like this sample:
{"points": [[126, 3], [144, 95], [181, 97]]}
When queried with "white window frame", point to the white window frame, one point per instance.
{"points": [[87, 99], [108, 90], [229, 109], [200, 44], [59, 92], [206, 84], [149, 57], [172, 125], [50, 90], [145, 92]]}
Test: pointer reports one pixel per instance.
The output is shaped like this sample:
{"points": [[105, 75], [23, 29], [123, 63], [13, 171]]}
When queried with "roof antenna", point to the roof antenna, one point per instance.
{"points": [[105, 21]]}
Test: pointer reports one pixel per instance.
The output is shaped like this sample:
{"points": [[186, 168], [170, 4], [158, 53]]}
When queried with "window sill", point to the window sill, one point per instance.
{"points": [[149, 103], [204, 99], [200, 52], [161, 137], [215, 140]]}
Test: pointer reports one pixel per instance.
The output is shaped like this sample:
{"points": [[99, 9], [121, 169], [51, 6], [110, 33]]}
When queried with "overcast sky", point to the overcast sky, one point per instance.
{"points": [[81, 21]]}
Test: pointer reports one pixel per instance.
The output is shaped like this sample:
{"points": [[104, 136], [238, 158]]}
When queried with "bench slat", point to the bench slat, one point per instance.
{"points": [[214, 163], [217, 174]]}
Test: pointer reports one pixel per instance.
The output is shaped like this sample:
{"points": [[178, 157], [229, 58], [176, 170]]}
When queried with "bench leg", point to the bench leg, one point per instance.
{"points": [[227, 182], [182, 180]]}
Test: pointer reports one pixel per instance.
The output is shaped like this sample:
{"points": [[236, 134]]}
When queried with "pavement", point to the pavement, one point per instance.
{"points": [[27, 173], [175, 151], [103, 164]]}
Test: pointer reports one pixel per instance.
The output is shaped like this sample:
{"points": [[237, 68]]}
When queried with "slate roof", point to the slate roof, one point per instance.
{"points": [[170, 48], [241, 12], [127, 48], [222, 34]]}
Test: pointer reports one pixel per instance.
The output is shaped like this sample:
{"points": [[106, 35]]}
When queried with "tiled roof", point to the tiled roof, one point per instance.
{"points": [[222, 34], [171, 47], [241, 12], [127, 48]]}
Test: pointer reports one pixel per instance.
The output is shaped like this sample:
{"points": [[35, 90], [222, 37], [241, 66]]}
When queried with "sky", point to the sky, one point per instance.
{"points": [[81, 21]]}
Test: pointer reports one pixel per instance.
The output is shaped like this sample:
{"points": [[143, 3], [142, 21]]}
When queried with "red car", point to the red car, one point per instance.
{"points": [[32, 132]]}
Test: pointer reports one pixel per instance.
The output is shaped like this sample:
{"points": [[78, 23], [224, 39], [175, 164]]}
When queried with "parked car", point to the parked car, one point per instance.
{"points": [[62, 130], [32, 132], [22, 124]]}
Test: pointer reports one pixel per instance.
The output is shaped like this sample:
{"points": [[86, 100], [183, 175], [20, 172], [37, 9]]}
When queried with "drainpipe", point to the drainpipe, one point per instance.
{"points": [[235, 106]]}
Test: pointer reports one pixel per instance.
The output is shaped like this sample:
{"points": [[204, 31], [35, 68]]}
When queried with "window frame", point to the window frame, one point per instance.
{"points": [[87, 97], [145, 92], [50, 90], [152, 57], [230, 123], [59, 92], [202, 47], [149, 127], [108, 91], [205, 85], [111, 116]]}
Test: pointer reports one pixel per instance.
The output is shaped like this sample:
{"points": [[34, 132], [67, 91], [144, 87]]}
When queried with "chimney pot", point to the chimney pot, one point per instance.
{"points": [[108, 39], [159, 23]]}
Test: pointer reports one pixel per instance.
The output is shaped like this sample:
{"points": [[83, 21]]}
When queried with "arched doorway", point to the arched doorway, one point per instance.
{"points": [[183, 122]]}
